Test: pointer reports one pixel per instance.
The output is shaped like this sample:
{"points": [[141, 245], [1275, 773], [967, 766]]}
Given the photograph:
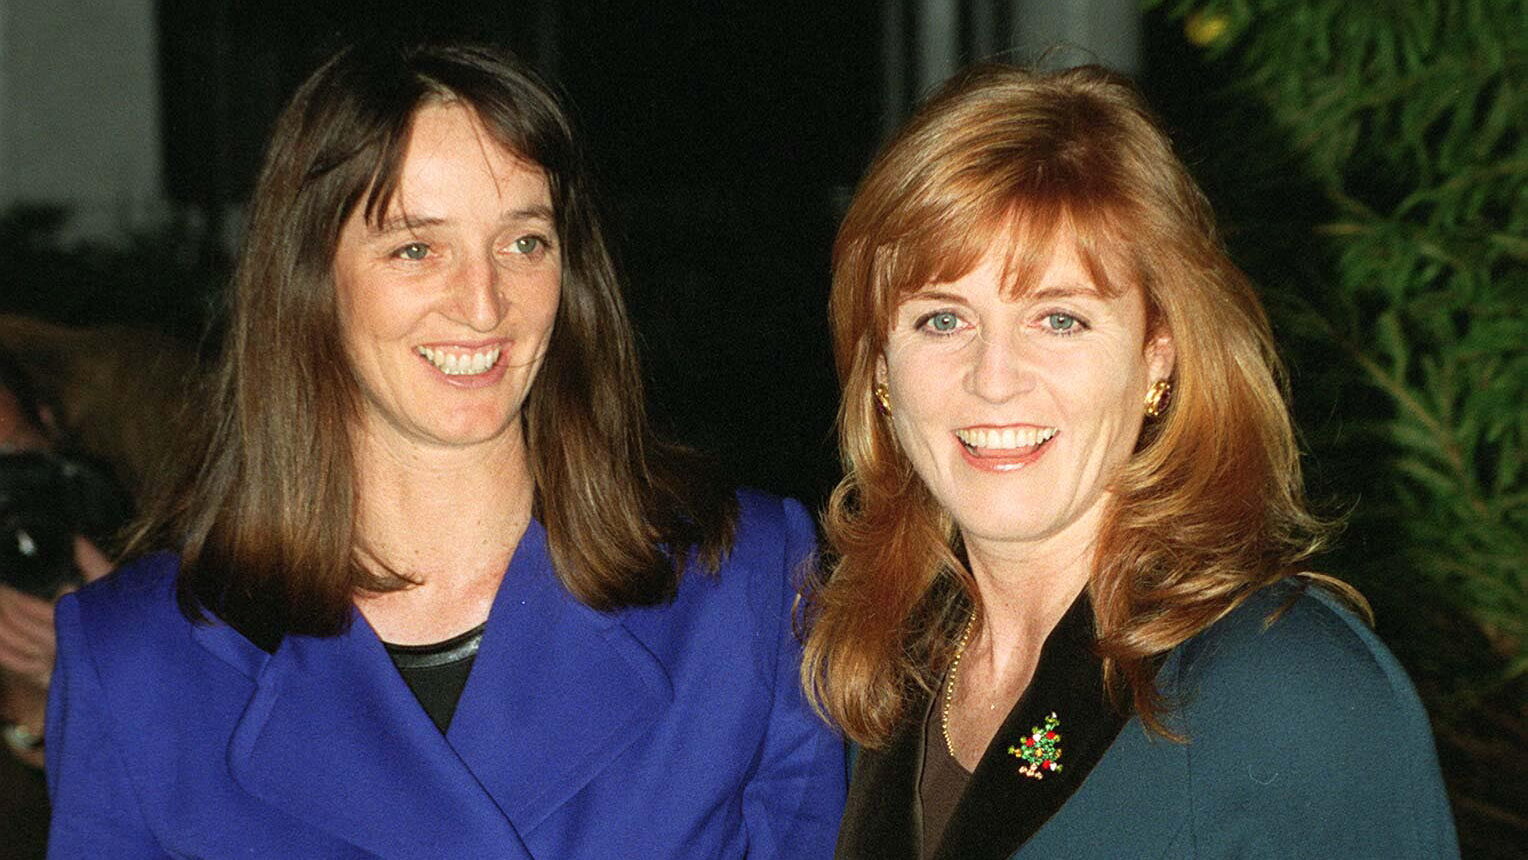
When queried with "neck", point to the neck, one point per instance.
{"points": [[1020, 607], [1023, 589], [448, 519]]}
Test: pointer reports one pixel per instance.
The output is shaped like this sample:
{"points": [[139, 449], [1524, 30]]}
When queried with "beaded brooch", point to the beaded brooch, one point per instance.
{"points": [[1041, 750]]}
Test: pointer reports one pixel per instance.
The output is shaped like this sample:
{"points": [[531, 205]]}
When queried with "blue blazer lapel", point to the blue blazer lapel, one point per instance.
{"points": [[556, 693], [334, 737]]}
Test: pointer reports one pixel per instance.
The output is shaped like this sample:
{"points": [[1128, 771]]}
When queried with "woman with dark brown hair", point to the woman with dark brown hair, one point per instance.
{"points": [[1066, 611], [426, 585]]}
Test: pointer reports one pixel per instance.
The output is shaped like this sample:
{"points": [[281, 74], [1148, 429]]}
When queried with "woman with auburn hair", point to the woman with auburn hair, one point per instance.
{"points": [[426, 586], [1066, 611]]}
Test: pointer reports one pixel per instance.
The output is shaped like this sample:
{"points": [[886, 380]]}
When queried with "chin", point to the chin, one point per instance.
{"points": [[458, 430], [476, 435], [992, 528]]}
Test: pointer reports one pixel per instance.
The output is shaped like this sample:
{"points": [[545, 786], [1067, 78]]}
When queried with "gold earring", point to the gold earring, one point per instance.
{"points": [[882, 399], [1157, 397]]}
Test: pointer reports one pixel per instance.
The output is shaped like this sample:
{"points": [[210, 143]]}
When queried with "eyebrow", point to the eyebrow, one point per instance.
{"points": [[934, 296], [1067, 292], [408, 224], [1046, 295]]}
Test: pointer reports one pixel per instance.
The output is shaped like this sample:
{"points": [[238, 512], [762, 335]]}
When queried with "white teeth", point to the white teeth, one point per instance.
{"points": [[460, 364], [1008, 438]]}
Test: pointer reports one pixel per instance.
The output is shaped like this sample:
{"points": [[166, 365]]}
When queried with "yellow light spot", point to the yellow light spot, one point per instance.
{"points": [[1205, 29]]}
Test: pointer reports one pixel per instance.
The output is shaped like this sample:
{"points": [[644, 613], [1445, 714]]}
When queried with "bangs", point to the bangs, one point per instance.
{"points": [[390, 148], [1025, 232], [385, 175], [507, 108], [358, 165]]}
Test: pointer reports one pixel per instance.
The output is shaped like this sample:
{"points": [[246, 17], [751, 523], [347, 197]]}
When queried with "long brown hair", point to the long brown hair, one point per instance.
{"points": [[262, 514], [1210, 506]]}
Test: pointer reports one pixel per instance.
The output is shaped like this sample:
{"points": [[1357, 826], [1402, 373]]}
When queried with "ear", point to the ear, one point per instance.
{"points": [[1161, 355], [881, 374]]}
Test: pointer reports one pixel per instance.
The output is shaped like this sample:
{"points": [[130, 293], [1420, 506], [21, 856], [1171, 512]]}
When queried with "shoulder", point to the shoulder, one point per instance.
{"points": [[138, 594], [130, 626], [742, 613], [773, 545], [128, 617], [1309, 718], [772, 526], [775, 550], [124, 636], [1297, 648]]}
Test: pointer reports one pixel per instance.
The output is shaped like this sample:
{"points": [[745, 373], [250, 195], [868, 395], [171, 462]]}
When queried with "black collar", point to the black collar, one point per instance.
{"points": [[1002, 807]]}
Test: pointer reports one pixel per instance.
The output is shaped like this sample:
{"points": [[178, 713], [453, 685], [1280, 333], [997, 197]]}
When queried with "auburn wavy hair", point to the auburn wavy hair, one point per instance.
{"points": [[1210, 506], [262, 509]]}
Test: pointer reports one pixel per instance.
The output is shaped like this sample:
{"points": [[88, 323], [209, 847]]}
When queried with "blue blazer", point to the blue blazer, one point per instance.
{"points": [[671, 731]]}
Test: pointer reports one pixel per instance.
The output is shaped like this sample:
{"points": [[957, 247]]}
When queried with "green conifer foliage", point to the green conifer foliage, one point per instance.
{"points": [[1406, 119], [1369, 163]]}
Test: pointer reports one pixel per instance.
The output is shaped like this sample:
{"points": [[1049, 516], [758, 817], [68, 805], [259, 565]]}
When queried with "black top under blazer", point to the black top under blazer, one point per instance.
{"points": [[1306, 739]]}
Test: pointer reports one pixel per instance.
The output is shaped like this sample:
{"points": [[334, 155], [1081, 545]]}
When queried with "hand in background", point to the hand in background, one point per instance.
{"points": [[26, 623], [27, 648]]}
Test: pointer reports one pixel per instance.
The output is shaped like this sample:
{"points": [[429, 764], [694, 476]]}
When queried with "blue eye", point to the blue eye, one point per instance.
{"points": [[413, 251], [528, 244], [943, 322], [1062, 323]]}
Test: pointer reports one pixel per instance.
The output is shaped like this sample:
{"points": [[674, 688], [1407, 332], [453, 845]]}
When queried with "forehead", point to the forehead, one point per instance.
{"points": [[452, 161], [449, 141]]}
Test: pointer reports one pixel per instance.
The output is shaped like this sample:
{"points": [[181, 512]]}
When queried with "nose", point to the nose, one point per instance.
{"points": [[480, 293], [1000, 368]]}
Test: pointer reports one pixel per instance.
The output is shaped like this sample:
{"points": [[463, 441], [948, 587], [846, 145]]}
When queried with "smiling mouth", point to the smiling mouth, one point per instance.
{"points": [[460, 362], [1006, 442]]}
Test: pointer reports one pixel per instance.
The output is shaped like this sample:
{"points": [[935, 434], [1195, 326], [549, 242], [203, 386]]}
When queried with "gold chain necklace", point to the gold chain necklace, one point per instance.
{"points": [[949, 689]]}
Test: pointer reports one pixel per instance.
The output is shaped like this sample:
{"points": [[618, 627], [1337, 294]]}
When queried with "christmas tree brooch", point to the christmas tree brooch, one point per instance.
{"points": [[1041, 750]]}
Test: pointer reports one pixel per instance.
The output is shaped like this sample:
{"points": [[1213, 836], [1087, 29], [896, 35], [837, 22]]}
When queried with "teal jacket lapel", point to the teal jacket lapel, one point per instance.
{"points": [[1001, 808]]}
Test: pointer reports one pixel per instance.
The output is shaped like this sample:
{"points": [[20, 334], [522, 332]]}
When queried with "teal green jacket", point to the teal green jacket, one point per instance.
{"points": [[1305, 739]]}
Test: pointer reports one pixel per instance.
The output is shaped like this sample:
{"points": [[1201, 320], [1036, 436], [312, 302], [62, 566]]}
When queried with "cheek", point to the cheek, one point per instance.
{"points": [[549, 305], [540, 299], [354, 320], [387, 312], [912, 396], [358, 305], [920, 413], [1117, 405], [923, 375]]}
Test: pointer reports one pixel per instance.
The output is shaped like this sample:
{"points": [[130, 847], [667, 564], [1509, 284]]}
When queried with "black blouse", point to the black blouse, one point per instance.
{"points": [[437, 673]]}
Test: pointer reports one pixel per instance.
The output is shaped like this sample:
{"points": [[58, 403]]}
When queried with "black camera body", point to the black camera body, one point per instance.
{"points": [[45, 500]]}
